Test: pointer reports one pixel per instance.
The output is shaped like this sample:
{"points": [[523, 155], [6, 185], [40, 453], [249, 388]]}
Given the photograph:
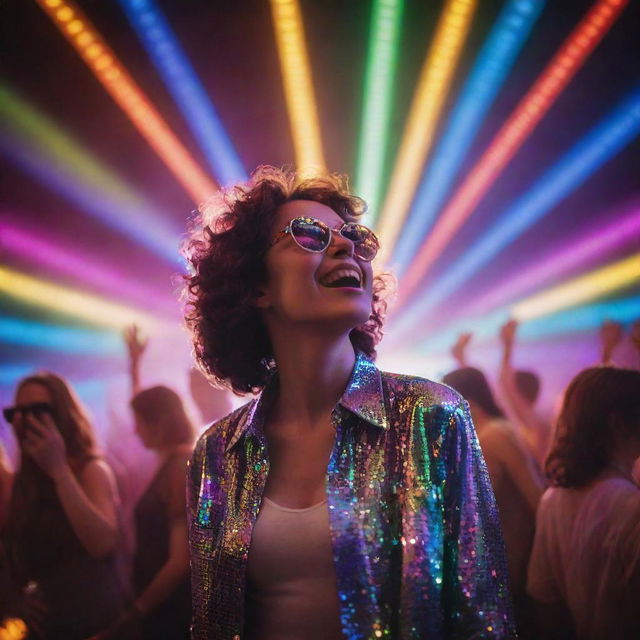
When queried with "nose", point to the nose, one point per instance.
{"points": [[340, 246]]}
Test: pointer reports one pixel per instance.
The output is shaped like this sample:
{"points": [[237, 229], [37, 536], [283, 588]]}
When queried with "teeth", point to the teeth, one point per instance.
{"points": [[342, 273]]}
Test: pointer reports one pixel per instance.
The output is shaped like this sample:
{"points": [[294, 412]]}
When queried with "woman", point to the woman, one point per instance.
{"points": [[342, 502], [515, 478], [162, 605], [585, 565], [62, 528]]}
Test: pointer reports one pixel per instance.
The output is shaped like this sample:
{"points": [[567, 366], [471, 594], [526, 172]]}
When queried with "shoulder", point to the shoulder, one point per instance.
{"points": [[96, 474], [421, 391], [218, 433]]}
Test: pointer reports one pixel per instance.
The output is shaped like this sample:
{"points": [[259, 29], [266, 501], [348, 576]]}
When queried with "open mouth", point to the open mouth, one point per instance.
{"points": [[342, 278]]}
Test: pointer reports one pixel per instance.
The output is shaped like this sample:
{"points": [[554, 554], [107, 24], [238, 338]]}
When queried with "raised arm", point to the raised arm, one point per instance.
{"points": [[459, 349], [136, 346], [610, 337], [519, 409]]}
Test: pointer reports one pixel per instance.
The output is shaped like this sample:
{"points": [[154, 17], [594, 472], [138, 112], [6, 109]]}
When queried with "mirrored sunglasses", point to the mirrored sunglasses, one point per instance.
{"points": [[315, 236]]}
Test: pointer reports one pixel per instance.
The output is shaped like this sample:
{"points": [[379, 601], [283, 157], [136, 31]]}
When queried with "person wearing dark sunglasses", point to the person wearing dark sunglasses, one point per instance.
{"points": [[61, 531], [342, 501]]}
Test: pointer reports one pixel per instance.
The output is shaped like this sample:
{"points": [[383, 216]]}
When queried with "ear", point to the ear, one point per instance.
{"points": [[261, 298]]}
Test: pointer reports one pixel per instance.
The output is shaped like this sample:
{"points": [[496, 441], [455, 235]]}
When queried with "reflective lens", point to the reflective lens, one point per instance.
{"points": [[314, 235], [364, 240], [310, 234]]}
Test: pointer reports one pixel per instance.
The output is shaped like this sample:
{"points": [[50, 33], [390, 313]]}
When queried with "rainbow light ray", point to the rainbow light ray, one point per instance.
{"points": [[71, 302], [51, 155], [381, 64], [518, 127], [624, 229], [71, 340], [435, 79], [580, 319], [113, 76], [609, 279], [490, 70], [600, 144], [61, 259], [298, 86], [184, 85]]}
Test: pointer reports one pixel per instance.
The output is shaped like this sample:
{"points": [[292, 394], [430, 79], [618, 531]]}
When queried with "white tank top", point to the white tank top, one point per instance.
{"points": [[291, 582]]}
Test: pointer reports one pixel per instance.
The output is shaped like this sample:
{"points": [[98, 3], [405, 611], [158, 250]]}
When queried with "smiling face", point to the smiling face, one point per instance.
{"points": [[319, 289]]}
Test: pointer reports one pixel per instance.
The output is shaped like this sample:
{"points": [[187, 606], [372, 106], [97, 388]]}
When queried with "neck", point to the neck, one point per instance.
{"points": [[313, 372]]}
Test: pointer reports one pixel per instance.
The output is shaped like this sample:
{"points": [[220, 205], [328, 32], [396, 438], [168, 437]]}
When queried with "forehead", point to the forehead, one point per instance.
{"points": [[306, 208], [32, 392]]}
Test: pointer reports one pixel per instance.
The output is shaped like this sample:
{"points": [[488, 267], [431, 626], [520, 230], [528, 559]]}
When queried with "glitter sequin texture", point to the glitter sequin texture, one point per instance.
{"points": [[414, 525]]}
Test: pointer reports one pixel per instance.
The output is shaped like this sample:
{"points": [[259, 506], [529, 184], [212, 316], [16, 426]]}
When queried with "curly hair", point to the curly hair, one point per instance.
{"points": [[226, 251], [600, 405]]}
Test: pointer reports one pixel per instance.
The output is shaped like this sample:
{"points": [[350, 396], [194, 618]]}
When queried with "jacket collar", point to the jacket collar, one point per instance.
{"points": [[362, 397]]}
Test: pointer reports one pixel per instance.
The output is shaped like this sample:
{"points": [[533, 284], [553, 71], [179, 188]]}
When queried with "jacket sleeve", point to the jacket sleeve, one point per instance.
{"points": [[476, 597]]}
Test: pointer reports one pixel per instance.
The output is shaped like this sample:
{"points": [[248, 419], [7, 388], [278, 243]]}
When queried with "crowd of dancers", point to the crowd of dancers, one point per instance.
{"points": [[341, 501]]}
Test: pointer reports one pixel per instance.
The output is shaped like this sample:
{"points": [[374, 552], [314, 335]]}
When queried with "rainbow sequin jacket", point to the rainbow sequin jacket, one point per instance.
{"points": [[414, 526]]}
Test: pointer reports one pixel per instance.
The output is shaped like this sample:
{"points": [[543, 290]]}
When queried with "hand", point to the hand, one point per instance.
{"points": [[610, 337], [635, 334], [508, 333], [136, 345], [459, 348], [127, 627], [45, 445]]}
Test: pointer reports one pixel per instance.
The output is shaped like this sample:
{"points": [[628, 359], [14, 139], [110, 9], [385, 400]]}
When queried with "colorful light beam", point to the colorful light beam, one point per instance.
{"points": [[386, 18], [435, 79], [490, 70], [623, 230], [113, 76], [184, 85], [518, 127], [60, 259], [605, 280], [599, 145], [71, 302], [53, 157], [69, 340], [298, 86]]}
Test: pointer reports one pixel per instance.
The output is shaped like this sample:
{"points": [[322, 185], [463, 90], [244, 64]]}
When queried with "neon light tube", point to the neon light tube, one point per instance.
{"points": [[378, 93], [113, 76], [600, 144], [519, 126], [298, 86], [489, 72], [436, 77], [71, 302], [183, 83]]}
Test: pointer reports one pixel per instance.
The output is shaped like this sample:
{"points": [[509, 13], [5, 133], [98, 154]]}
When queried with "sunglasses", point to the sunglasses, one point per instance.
{"points": [[37, 409], [315, 236]]}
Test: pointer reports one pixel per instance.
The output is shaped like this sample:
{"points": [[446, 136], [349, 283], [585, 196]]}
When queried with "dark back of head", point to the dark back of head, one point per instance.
{"points": [[601, 406], [162, 411], [528, 384], [472, 384]]}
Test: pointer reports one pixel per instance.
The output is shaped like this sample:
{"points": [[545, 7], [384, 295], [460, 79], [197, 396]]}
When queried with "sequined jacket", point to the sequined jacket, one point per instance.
{"points": [[416, 538]]}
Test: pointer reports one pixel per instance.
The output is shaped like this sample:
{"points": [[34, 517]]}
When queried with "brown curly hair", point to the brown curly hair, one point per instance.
{"points": [[226, 250], [600, 405]]}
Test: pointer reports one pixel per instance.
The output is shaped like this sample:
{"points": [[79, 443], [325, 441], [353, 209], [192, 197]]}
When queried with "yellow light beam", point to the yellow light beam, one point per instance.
{"points": [[71, 302], [587, 287], [298, 86], [113, 76], [436, 77]]}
